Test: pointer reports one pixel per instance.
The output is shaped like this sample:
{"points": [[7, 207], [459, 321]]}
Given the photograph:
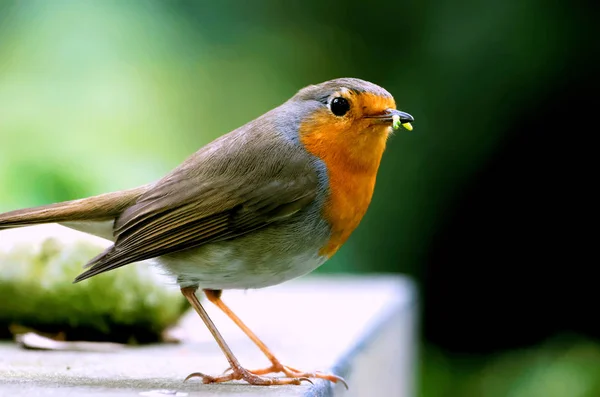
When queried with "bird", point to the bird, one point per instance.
{"points": [[268, 202]]}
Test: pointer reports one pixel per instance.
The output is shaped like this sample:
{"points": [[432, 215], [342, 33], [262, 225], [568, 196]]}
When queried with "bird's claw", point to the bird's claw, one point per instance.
{"points": [[294, 373], [249, 377]]}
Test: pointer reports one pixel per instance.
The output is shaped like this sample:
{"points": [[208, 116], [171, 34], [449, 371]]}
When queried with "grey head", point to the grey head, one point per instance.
{"points": [[288, 117], [321, 92]]}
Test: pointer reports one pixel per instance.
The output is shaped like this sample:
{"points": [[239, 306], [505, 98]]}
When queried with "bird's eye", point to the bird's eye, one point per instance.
{"points": [[339, 106]]}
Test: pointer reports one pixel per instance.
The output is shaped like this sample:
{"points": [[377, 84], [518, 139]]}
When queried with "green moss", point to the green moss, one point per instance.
{"points": [[37, 291]]}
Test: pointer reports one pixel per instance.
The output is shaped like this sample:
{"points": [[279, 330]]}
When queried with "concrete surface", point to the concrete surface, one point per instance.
{"points": [[362, 328]]}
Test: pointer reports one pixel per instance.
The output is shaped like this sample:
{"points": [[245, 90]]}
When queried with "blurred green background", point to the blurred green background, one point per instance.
{"points": [[98, 96]]}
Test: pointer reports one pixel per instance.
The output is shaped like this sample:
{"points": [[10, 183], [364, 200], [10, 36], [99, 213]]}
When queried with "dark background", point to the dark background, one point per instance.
{"points": [[487, 203]]}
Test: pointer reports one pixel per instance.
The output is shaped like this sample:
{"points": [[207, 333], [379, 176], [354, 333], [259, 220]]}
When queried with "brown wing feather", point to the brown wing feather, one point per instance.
{"points": [[190, 208]]}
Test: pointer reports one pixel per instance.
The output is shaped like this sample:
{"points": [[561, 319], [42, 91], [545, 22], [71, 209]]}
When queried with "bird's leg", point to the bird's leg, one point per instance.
{"points": [[215, 297], [238, 372]]}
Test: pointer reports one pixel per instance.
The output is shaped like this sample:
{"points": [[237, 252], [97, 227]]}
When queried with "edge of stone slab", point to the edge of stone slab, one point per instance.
{"points": [[343, 365]]}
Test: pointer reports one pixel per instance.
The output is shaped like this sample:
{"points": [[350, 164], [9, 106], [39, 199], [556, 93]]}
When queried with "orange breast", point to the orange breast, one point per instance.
{"points": [[350, 196], [352, 157]]}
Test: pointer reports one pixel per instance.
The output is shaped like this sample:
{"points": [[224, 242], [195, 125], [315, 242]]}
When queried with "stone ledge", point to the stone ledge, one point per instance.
{"points": [[362, 328]]}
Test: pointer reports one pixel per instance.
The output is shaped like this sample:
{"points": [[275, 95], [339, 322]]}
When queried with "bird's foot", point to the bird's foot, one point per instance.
{"points": [[293, 373], [249, 377]]}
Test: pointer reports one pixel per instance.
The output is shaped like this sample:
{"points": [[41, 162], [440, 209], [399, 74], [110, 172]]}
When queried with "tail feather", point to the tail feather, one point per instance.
{"points": [[97, 208]]}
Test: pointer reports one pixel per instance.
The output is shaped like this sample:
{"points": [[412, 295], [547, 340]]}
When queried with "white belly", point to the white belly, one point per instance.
{"points": [[221, 267]]}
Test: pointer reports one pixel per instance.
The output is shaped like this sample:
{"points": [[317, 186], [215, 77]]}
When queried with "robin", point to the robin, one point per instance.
{"points": [[266, 203]]}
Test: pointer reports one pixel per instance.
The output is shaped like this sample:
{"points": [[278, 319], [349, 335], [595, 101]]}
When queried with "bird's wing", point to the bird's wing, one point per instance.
{"points": [[218, 195]]}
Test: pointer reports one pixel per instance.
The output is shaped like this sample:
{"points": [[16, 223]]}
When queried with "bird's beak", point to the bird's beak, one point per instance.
{"points": [[404, 117], [395, 118]]}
